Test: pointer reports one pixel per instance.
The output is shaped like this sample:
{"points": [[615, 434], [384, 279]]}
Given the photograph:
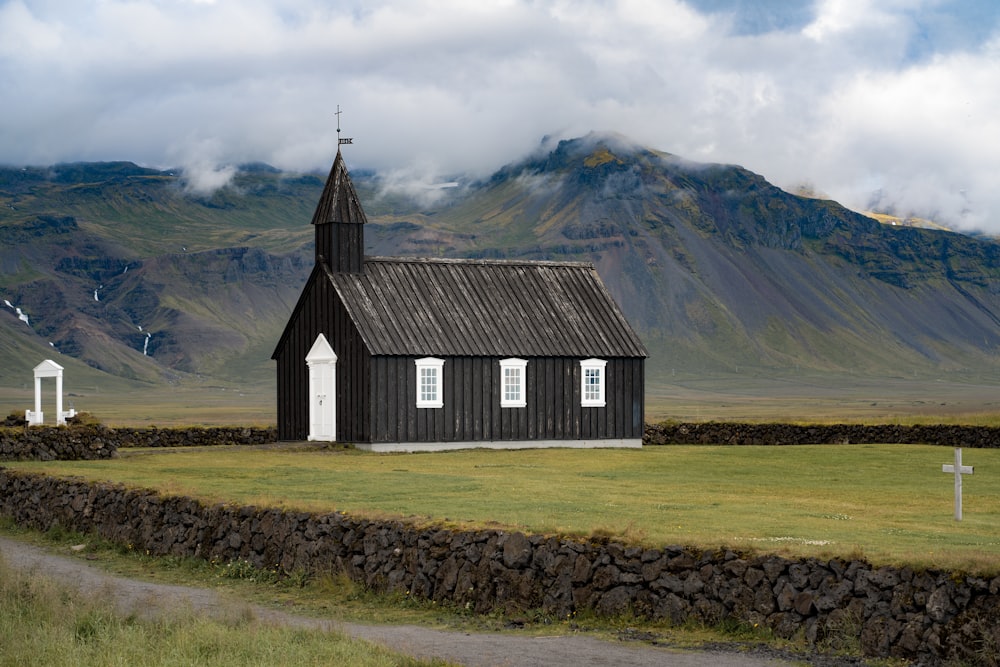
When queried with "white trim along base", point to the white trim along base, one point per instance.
{"points": [[620, 443]]}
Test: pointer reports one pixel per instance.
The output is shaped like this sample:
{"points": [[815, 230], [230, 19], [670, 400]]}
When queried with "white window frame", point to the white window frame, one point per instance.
{"points": [[587, 368], [437, 366], [519, 365]]}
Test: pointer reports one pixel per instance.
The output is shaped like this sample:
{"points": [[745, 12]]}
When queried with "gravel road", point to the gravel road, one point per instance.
{"points": [[463, 648]]}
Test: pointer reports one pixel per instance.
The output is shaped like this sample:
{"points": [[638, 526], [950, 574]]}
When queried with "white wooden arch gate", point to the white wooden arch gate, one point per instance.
{"points": [[48, 369]]}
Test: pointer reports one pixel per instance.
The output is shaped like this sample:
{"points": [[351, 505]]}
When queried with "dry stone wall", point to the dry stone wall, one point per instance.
{"points": [[90, 442], [733, 433], [95, 441], [49, 444], [928, 616]]}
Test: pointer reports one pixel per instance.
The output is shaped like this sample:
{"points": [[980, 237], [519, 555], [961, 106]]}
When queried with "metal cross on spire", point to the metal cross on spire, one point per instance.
{"points": [[341, 142]]}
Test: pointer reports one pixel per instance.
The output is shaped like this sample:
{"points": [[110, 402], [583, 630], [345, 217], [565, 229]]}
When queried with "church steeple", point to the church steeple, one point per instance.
{"points": [[339, 221]]}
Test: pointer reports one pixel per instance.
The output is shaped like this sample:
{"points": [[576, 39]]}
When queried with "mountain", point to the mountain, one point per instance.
{"points": [[118, 267], [719, 269], [121, 268], [723, 268]]}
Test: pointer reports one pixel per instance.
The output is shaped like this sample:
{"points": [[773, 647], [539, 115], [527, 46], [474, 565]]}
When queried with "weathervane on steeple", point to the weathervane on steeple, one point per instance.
{"points": [[341, 142]]}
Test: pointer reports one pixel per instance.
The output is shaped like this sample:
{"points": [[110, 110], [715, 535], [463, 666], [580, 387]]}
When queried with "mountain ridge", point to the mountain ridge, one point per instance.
{"points": [[716, 268], [693, 207]]}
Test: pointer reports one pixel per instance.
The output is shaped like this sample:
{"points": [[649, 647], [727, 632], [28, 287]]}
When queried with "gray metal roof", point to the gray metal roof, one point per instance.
{"points": [[450, 307]]}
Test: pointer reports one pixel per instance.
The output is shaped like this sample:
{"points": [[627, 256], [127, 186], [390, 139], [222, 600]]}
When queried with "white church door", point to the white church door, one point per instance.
{"points": [[322, 363]]}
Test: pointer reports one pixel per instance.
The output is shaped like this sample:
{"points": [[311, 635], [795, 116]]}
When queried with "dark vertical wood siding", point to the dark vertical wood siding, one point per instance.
{"points": [[320, 311], [472, 409], [341, 245]]}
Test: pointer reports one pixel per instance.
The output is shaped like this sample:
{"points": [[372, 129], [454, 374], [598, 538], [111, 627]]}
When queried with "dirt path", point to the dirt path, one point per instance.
{"points": [[474, 649]]}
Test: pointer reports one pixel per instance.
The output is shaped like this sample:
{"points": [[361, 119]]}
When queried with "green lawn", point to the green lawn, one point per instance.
{"points": [[888, 503]]}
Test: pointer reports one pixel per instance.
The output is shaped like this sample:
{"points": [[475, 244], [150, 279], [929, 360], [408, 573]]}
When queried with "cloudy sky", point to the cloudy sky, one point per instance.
{"points": [[854, 97]]}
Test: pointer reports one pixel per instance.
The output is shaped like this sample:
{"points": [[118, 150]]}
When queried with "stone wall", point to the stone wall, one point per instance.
{"points": [[732, 433], [95, 441], [51, 443], [46, 443], [930, 616]]}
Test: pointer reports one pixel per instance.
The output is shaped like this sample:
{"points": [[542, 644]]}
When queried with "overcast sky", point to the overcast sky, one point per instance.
{"points": [[853, 97]]}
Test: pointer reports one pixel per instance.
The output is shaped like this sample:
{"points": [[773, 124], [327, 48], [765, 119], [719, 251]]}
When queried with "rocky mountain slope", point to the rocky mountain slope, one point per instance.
{"points": [[716, 267], [118, 267]]}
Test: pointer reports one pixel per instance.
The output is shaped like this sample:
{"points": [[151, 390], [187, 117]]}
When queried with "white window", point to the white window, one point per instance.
{"points": [[429, 380], [592, 383], [512, 383]]}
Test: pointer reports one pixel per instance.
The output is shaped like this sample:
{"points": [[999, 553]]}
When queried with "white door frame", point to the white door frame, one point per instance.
{"points": [[322, 363]]}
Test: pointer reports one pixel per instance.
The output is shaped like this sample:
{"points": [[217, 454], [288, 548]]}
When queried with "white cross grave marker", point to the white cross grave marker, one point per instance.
{"points": [[958, 469]]}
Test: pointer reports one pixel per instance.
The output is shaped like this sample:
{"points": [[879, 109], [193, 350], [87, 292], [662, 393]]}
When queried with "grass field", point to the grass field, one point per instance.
{"points": [[827, 398], [43, 623], [889, 503]]}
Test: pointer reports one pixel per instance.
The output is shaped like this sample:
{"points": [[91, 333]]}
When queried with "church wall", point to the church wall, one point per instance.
{"points": [[320, 311], [472, 412]]}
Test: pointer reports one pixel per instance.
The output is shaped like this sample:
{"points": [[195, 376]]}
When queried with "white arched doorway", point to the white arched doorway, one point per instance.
{"points": [[322, 363]]}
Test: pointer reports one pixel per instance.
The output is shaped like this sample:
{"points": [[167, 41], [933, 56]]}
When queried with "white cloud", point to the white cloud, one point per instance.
{"points": [[850, 95], [837, 17], [918, 136], [202, 170]]}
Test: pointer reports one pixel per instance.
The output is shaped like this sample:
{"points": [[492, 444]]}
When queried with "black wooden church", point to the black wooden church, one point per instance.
{"points": [[407, 354]]}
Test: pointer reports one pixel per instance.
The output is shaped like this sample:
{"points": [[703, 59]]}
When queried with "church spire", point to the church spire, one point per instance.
{"points": [[339, 219]]}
